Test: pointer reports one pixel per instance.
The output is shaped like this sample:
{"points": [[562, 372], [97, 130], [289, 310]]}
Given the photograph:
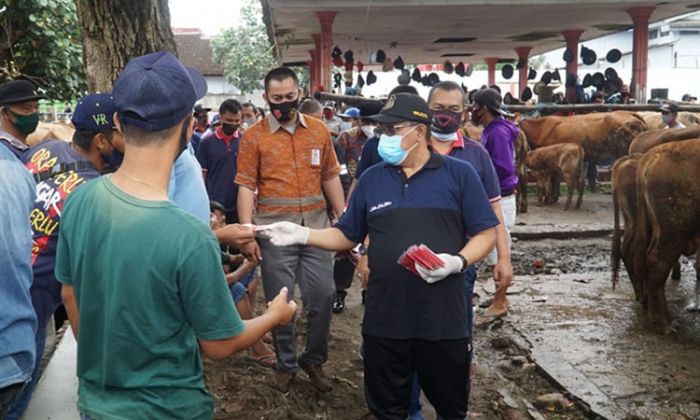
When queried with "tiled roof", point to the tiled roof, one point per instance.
{"points": [[195, 51]]}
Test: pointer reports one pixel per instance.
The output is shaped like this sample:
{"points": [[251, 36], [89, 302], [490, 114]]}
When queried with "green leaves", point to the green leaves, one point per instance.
{"points": [[245, 51], [45, 39]]}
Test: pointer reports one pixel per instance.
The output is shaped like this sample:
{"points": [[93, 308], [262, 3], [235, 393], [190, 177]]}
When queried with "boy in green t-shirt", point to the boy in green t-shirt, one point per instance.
{"points": [[142, 279]]}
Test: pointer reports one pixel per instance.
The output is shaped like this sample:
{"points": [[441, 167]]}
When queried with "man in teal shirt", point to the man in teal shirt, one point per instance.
{"points": [[142, 279]]}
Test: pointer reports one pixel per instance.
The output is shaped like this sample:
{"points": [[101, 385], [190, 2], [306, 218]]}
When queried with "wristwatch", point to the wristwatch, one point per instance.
{"points": [[362, 249], [465, 263]]}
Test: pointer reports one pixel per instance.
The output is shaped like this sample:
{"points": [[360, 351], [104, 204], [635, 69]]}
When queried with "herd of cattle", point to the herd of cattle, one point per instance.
{"points": [[655, 183]]}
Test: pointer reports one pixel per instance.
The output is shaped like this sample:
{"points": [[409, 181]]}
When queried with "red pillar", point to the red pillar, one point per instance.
{"points": [[326, 20], [312, 71], [491, 63], [640, 51], [317, 62], [523, 53], [572, 37]]}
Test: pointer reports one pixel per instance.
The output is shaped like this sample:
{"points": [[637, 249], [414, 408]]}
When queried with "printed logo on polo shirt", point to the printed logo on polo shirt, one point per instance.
{"points": [[380, 206]]}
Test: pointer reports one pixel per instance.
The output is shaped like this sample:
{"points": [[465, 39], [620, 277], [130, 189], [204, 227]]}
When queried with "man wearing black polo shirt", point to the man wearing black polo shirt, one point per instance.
{"points": [[413, 323]]}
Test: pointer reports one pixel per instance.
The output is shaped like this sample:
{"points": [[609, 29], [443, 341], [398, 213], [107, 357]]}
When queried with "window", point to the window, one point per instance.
{"points": [[688, 32], [653, 34]]}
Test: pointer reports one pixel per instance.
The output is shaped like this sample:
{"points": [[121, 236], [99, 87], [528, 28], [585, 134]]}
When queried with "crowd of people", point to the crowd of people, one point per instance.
{"points": [[154, 226]]}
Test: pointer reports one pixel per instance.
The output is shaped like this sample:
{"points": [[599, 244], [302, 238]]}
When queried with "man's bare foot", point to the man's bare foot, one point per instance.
{"points": [[499, 307]]}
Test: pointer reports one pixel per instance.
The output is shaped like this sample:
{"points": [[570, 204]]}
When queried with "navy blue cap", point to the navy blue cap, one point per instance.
{"points": [[156, 91], [404, 107], [94, 112]]}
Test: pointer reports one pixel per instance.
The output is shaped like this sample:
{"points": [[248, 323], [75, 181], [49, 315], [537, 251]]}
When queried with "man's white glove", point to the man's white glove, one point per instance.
{"points": [[284, 233], [452, 264]]}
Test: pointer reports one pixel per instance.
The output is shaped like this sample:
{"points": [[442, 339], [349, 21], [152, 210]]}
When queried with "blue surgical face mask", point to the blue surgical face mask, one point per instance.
{"points": [[345, 125], [390, 148]]}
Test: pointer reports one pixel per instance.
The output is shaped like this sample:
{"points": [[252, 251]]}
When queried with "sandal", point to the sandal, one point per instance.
{"points": [[267, 359], [484, 318]]}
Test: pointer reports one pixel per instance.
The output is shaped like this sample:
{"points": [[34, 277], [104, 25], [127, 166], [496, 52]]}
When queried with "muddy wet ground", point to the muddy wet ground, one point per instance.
{"points": [[567, 332]]}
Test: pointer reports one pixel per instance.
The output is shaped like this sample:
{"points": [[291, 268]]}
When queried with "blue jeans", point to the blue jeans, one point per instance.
{"points": [[415, 406], [20, 404], [240, 288]]}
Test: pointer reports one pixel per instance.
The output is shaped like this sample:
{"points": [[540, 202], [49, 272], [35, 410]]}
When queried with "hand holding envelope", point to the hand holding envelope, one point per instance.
{"points": [[431, 267]]}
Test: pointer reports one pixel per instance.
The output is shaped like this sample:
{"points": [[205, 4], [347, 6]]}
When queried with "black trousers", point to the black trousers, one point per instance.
{"points": [[343, 272], [442, 368]]}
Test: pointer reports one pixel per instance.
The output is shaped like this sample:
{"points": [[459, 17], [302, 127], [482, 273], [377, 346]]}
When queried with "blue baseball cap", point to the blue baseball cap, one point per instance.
{"points": [[156, 91], [94, 112], [350, 113]]}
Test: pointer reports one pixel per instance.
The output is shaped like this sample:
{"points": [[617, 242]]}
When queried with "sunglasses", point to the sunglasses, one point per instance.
{"points": [[390, 129]]}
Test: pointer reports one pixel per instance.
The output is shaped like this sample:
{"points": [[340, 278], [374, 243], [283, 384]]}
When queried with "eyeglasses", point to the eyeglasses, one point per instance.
{"points": [[390, 130]]}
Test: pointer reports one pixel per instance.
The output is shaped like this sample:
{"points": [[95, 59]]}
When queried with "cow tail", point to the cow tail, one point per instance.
{"points": [[616, 239]]}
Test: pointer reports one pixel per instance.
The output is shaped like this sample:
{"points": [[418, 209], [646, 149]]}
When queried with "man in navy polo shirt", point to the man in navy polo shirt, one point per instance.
{"points": [[413, 323], [217, 154], [446, 100]]}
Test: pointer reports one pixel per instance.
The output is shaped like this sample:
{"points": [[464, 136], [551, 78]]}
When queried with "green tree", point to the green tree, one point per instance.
{"points": [[245, 51], [40, 41]]}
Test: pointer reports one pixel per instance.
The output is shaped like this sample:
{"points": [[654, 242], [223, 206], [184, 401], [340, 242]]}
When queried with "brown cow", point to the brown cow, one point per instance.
{"points": [[604, 134], [51, 131], [472, 131], [624, 192], [521, 150], [648, 139], [667, 223], [547, 163]]}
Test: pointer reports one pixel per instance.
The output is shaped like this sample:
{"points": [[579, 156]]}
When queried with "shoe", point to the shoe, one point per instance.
{"points": [[284, 380], [338, 304], [318, 378]]}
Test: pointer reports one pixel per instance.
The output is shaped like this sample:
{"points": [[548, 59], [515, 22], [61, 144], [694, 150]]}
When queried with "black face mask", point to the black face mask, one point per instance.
{"points": [[229, 129], [446, 122], [285, 111], [112, 161]]}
